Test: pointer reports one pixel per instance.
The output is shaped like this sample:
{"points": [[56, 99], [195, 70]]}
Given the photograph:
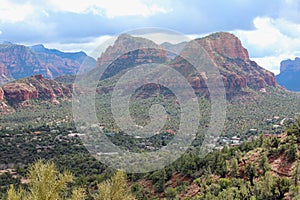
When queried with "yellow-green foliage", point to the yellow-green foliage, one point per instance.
{"points": [[46, 183], [114, 189], [13, 194], [78, 194]]}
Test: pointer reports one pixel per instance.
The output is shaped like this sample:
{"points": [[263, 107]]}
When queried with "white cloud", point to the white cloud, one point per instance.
{"points": [[272, 41], [264, 36], [111, 8], [134, 7], [272, 63], [12, 12]]}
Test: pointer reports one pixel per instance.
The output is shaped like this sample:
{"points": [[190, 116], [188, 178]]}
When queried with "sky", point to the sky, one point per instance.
{"points": [[269, 29]]}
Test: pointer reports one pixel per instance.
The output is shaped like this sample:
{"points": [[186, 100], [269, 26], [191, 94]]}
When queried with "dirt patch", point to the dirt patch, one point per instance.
{"points": [[148, 184], [176, 179], [192, 191], [281, 166]]}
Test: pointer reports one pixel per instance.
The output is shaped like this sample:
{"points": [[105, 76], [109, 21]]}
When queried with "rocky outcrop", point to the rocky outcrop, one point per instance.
{"points": [[18, 92], [127, 52], [35, 87], [134, 58], [225, 50], [289, 74], [18, 61], [290, 65], [234, 83], [224, 44], [124, 44], [232, 59]]}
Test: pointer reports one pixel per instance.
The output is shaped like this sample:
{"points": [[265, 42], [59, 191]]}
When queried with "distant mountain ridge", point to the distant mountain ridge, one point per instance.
{"points": [[289, 76], [237, 71], [19, 61], [79, 56]]}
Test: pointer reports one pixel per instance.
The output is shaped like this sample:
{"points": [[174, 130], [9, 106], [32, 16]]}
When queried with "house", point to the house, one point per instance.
{"points": [[235, 138], [170, 132], [276, 117], [276, 126]]}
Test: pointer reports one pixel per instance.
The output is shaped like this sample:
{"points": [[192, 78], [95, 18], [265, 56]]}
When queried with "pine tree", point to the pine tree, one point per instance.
{"points": [[264, 188], [292, 150], [296, 175], [222, 167], [234, 168], [264, 163], [283, 184], [251, 172], [295, 181]]}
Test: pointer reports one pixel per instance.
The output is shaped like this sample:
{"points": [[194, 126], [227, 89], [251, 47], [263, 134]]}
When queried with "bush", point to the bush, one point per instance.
{"points": [[171, 193]]}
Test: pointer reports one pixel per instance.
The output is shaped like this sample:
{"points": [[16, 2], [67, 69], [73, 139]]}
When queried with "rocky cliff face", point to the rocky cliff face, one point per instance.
{"points": [[134, 58], [18, 92], [35, 87], [233, 61], [231, 58], [237, 71], [224, 44], [124, 44], [289, 74], [127, 52], [290, 65], [18, 61]]}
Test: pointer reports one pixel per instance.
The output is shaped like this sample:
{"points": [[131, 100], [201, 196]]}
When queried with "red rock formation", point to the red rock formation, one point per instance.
{"points": [[128, 52], [223, 49], [18, 60], [234, 83], [232, 60], [123, 45], [135, 58], [225, 44], [256, 82], [35, 87], [17, 92]]}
